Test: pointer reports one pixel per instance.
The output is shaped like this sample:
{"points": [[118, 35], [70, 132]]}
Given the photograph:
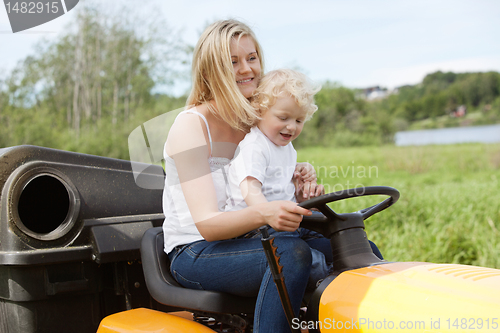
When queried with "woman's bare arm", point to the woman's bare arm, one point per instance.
{"points": [[187, 145]]}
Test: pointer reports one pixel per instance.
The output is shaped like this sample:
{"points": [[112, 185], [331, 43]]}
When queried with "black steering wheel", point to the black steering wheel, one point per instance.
{"points": [[337, 222]]}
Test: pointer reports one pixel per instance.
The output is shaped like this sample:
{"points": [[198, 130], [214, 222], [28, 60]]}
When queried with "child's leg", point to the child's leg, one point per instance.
{"points": [[375, 250], [321, 253], [322, 257]]}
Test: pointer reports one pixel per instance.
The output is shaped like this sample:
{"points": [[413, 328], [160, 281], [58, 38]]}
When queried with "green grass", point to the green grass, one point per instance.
{"points": [[449, 210]]}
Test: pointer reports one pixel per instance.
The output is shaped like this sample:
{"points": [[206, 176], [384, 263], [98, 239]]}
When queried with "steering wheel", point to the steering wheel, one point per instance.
{"points": [[337, 222]]}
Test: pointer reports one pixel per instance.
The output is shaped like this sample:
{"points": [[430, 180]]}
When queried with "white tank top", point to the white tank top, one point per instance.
{"points": [[179, 227]]}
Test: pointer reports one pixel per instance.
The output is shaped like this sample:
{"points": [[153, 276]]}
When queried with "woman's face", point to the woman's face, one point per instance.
{"points": [[246, 64]]}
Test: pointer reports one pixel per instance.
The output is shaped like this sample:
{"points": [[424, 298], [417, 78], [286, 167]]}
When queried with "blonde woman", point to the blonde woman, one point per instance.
{"points": [[203, 243], [262, 171]]}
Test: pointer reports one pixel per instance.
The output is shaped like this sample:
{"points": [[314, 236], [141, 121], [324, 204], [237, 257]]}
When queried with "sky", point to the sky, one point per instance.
{"points": [[356, 43]]}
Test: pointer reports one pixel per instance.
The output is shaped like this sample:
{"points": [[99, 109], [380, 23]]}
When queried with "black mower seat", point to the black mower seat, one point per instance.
{"points": [[165, 290]]}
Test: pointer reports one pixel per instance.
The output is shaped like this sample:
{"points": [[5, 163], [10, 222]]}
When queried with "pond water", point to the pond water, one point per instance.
{"points": [[442, 136]]}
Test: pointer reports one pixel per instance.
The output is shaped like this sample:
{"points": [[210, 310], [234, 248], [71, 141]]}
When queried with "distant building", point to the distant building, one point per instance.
{"points": [[459, 112], [375, 93]]}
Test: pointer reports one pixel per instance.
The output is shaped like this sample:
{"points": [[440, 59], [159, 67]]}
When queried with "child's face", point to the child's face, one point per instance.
{"points": [[283, 122]]}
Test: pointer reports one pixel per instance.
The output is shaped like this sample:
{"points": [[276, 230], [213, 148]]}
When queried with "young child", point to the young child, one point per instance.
{"points": [[265, 161]]}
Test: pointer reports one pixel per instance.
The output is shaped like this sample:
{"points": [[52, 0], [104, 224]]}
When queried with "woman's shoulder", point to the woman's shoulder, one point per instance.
{"points": [[191, 114], [188, 131], [190, 118]]}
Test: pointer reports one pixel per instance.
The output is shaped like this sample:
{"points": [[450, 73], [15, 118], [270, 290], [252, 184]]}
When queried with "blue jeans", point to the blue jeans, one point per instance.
{"points": [[239, 266]]}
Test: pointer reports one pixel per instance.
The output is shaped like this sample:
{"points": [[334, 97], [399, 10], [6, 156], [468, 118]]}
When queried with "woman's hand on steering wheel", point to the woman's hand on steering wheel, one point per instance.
{"points": [[283, 215]]}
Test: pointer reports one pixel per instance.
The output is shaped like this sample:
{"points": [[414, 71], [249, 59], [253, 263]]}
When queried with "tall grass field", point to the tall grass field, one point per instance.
{"points": [[449, 209]]}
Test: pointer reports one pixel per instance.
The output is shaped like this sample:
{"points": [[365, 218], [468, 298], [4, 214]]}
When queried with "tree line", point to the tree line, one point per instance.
{"points": [[346, 118], [89, 89]]}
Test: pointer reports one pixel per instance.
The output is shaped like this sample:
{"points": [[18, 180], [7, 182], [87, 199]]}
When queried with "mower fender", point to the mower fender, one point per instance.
{"points": [[148, 321], [413, 297]]}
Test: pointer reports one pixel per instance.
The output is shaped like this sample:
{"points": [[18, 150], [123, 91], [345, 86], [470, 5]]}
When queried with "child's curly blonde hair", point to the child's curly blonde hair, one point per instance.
{"points": [[285, 81]]}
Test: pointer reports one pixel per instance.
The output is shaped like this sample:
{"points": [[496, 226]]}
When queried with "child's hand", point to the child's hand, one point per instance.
{"points": [[307, 190], [305, 172], [306, 185]]}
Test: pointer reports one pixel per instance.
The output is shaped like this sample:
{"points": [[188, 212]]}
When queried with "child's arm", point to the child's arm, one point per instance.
{"points": [[251, 189]]}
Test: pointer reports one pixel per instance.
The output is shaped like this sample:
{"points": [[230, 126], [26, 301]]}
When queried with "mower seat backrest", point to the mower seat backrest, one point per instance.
{"points": [[165, 290]]}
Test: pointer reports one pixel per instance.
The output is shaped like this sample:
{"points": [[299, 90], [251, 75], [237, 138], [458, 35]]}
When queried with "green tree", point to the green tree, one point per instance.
{"points": [[95, 79]]}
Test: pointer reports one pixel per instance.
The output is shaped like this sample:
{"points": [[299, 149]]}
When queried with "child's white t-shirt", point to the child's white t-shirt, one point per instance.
{"points": [[272, 165]]}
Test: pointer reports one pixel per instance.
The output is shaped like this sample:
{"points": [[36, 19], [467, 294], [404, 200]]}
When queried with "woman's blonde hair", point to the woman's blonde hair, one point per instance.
{"points": [[214, 78], [286, 81]]}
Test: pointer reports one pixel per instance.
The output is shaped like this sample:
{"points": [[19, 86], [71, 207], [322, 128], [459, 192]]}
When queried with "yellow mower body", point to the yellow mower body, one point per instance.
{"points": [[413, 296], [149, 321]]}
